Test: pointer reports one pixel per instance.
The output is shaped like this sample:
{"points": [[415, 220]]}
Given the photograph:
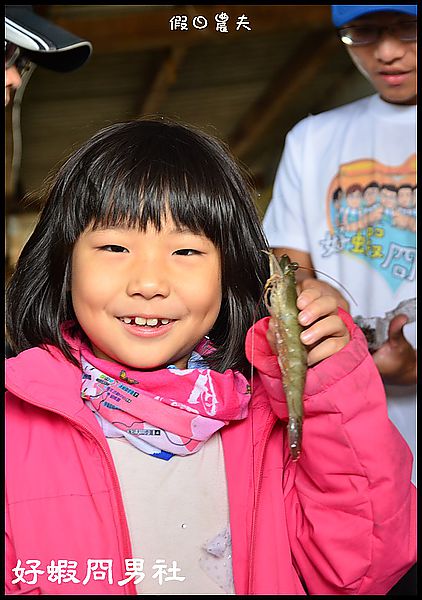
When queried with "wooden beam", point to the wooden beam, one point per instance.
{"points": [[289, 81], [165, 78], [137, 31]]}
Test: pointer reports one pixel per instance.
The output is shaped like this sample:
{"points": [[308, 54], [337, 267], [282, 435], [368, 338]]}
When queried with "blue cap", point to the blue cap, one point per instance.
{"points": [[344, 13]]}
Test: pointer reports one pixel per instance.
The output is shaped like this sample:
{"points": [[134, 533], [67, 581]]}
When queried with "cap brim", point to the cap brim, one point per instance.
{"points": [[46, 44]]}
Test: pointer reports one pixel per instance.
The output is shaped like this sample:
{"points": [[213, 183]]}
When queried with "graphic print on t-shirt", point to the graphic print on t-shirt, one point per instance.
{"points": [[371, 214]]}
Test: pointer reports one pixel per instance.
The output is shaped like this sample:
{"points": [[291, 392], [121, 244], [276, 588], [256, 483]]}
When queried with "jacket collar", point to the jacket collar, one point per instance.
{"points": [[29, 375]]}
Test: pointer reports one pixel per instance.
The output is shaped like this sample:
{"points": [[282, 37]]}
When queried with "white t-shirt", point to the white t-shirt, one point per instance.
{"points": [[338, 196], [178, 518]]}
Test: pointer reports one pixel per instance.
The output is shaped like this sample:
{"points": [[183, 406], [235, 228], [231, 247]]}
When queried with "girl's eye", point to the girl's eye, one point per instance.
{"points": [[114, 248], [187, 252]]}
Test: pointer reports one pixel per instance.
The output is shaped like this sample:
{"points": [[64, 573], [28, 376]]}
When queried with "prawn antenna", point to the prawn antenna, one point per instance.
{"points": [[333, 279]]}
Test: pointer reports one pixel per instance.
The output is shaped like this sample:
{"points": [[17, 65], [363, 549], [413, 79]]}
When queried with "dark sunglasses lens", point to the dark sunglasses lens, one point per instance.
{"points": [[22, 64], [9, 50], [11, 54]]}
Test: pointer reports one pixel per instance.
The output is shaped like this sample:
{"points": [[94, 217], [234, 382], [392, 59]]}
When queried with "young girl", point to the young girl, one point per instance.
{"points": [[146, 448]]}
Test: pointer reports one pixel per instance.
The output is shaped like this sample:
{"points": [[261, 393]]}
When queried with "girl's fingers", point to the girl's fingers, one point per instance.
{"points": [[325, 289], [330, 327], [307, 296], [325, 332], [317, 308], [325, 349]]}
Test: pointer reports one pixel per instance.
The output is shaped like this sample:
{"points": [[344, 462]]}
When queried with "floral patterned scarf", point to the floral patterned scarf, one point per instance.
{"points": [[165, 412]]}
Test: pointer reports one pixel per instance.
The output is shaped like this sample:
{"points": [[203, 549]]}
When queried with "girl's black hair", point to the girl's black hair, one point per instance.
{"points": [[127, 174]]}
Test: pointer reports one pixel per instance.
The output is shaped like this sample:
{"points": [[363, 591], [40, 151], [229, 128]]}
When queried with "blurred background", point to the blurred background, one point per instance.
{"points": [[247, 86]]}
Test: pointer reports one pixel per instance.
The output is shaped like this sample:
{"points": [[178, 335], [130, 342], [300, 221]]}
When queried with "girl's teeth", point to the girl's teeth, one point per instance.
{"points": [[143, 321]]}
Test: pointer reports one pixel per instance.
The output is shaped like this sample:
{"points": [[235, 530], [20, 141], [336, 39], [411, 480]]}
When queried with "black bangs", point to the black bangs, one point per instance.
{"points": [[151, 201], [146, 171]]}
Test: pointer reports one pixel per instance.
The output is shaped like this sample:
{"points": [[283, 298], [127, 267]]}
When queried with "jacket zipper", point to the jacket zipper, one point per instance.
{"points": [[258, 489], [124, 527]]}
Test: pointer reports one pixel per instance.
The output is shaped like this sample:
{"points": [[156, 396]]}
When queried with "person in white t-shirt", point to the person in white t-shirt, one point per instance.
{"points": [[344, 197]]}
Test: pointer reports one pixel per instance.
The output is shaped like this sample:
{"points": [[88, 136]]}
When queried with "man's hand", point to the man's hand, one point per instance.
{"points": [[396, 358]]}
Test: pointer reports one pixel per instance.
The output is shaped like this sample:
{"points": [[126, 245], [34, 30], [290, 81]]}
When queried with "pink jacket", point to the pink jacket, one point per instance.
{"points": [[341, 520]]}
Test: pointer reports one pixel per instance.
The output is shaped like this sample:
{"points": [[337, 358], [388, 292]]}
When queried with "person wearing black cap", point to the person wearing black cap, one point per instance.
{"points": [[32, 38], [367, 246]]}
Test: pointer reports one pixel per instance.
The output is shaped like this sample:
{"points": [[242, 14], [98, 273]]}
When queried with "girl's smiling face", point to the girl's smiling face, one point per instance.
{"points": [[145, 299]]}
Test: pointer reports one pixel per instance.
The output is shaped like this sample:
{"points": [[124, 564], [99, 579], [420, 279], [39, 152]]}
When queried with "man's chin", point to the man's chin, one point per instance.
{"points": [[399, 97]]}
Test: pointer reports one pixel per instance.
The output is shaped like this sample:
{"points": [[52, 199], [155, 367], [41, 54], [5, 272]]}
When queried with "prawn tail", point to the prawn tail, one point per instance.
{"points": [[294, 430], [294, 395]]}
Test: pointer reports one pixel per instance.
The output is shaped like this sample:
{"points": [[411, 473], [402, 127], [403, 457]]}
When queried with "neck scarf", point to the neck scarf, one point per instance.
{"points": [[165, 412]]}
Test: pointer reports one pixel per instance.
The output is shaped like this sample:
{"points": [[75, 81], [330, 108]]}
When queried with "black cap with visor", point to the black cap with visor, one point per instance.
{"points": [[43, 42]]}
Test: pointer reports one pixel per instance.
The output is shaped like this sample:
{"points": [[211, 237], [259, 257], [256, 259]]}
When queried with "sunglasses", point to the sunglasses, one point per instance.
{"points": [[14, 57]]}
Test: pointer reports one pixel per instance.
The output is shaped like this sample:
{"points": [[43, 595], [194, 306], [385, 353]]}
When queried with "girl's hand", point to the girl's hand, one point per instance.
{"points": [[325, 332]]}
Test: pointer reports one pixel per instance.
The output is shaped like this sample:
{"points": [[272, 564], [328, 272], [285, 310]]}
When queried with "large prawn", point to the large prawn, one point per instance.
{"points": [[280, 298]]}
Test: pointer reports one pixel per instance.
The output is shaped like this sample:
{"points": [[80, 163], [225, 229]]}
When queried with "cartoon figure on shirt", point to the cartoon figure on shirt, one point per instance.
{"points": [[404, 216], [375, 218], [372, 205], [388, 198], [338, 207], [352, 218]]}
